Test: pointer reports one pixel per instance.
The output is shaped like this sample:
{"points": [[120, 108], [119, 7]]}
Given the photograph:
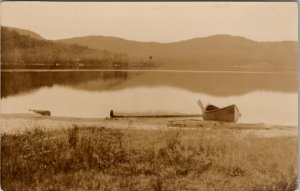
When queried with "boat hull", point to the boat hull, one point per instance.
{"points": [[227, 114]]}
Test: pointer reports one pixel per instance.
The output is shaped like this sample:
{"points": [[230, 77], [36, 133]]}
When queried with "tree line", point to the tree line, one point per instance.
{"points": [[24, 51]]}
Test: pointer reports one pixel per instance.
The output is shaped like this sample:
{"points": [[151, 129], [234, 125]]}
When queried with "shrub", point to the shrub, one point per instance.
{"points": [[146, 160]]}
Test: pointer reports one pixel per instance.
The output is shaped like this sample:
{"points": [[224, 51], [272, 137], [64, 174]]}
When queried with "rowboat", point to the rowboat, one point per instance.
{"points": [[228, 114]]}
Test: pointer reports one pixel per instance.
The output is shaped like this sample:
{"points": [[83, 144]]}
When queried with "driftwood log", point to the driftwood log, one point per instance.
{"points": [[113, 114], [41, 112]]}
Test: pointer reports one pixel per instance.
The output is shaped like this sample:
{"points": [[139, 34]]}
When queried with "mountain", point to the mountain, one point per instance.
{"points": [[26, 33], [23, 51], [218, 52]]}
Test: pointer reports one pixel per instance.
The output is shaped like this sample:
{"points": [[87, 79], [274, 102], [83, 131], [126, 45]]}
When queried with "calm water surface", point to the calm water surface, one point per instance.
{"points": [[270, 98]]}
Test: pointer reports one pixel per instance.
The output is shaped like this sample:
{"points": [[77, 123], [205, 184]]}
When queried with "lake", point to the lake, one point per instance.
{"points": [[270, 98]]}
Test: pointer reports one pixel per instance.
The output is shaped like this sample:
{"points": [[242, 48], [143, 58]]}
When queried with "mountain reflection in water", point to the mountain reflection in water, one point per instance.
{"points": [[261, 97], [211, 83], [13, 83]]}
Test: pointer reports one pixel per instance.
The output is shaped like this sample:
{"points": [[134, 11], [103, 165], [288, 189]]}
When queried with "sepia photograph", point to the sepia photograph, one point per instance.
{"points": [[141, 96]]}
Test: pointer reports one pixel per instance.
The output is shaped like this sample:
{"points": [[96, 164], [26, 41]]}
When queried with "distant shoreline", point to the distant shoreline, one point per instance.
{"points": [[18, 122], [149, 70]]}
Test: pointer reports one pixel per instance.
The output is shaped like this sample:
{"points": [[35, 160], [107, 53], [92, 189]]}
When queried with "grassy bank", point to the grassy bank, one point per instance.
{"points": [[131, 159]]}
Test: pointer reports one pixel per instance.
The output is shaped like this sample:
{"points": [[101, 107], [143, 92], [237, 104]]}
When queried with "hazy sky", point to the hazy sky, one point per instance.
{"points": [[155, 21]]}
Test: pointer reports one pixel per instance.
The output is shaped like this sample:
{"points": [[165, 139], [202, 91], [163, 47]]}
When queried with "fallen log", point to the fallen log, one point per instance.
{"points": [[112, 114], [41, 112]]}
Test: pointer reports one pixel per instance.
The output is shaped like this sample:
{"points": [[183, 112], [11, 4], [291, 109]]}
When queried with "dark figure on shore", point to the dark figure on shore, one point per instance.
{"points": [[111, 114]]}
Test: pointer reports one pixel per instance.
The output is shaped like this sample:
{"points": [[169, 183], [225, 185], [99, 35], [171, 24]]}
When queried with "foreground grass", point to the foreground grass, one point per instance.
{"points": [[110, 159]]}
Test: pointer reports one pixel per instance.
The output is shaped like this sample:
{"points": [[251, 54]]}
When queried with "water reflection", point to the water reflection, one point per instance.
{"points": [[219, 84], [261, 97], [216, 84], [256, 107], [13, 83]]}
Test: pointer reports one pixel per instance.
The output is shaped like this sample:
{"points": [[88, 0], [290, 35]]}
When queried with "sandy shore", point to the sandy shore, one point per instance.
{"points": [[14, 123]]}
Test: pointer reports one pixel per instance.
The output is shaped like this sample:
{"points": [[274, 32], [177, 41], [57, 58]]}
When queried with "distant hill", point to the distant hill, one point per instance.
{"points": [[23, 51], [218, 52], [26, 33]]}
